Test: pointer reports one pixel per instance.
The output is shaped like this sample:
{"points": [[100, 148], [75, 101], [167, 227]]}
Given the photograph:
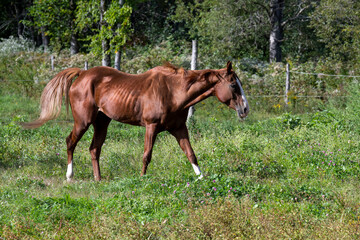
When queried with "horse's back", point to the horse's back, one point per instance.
{"points": [[121, 96]]}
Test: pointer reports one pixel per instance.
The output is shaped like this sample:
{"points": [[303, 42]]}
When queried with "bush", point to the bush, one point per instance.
{"points": [[12, 46]]}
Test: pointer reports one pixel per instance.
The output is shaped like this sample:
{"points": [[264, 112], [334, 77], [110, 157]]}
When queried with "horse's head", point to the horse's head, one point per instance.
{"points": [[229, 91]]}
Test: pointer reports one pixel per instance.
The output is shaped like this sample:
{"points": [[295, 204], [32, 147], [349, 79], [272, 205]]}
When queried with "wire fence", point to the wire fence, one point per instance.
{"points": [[288, 71], [324, 74], [7, 120]]}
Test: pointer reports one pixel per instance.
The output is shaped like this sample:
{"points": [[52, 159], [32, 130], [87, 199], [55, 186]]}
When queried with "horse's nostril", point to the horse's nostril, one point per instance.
{"points": [[245, 110]]}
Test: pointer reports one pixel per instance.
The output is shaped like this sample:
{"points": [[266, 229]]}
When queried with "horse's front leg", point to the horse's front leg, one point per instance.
{"points": [[182, 136], [150, 136]]}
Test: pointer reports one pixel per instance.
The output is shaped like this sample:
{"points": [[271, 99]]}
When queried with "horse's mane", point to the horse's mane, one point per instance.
{"points": [[190, 77], [174, 69]]}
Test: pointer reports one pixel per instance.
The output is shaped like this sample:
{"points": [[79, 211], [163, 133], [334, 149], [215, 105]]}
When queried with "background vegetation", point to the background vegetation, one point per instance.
{"points": [[285, 172]]}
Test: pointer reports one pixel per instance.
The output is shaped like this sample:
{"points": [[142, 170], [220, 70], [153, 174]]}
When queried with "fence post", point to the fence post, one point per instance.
{"points": [[193, 67], [86, 67], [287, 83]]}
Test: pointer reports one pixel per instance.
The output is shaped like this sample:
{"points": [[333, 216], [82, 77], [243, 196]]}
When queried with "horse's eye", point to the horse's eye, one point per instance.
{"points": [[233, 85]]}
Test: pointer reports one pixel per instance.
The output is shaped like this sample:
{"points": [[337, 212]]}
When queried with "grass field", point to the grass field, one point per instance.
{"points": [[273, 176]]}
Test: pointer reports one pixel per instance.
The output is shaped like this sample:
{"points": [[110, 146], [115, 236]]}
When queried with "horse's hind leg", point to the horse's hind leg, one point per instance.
{"points": [[71, 141], [84, 113], [100, 130]]}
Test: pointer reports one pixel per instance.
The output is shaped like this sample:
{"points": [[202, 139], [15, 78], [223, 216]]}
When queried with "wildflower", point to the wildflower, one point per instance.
{"points": [[26, 191], [214, 188], [208, 194], [214, 181], [133, 192], [162, 185], [187, 184], [174, 191]]}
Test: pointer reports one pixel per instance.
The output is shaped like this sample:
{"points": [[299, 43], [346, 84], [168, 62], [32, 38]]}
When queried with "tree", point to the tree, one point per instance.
{"points": [[54, 20], [118, 50], [105, 42], [337, 25], [247, 28], [276, 29], [74, 45], [107, 26], [12, 14]]}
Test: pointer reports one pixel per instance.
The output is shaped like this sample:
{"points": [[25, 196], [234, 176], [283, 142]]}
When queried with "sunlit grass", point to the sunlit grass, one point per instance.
{"points": [[275, 175]]}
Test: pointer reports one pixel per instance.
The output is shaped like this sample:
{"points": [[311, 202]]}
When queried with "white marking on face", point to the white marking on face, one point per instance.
{"points": [[69, 172], [197, 170], [246, 104]]}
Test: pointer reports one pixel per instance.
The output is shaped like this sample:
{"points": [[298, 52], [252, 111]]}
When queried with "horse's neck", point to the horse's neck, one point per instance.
{"points": [[201, 89]]}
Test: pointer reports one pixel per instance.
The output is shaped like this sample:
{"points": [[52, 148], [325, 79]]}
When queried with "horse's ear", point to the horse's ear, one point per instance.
{"points": [[229, 67]]}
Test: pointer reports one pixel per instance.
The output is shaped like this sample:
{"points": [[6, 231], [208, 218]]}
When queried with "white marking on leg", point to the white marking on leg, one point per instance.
{"points": [[69, 172], [197, 170]]}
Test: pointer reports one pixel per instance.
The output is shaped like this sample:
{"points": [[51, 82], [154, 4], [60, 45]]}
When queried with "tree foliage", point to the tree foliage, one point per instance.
{"points": [[116, 27], [337, 25], [238, 29], [228, 29], [52, 18]]}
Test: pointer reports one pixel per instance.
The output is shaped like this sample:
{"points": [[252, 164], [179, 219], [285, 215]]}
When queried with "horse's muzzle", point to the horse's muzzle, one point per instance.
{"points": [[242, 111]]}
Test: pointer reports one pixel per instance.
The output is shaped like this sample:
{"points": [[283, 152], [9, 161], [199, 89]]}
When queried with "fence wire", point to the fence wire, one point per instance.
{"points": [[249, 96], [324, 74]]}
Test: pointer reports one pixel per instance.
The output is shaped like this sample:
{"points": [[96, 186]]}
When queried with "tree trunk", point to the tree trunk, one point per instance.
{"points": [[276, 34], [18, 15], [117, 60], [45, 39], [106, 59], [74, 44], [118, 52]]}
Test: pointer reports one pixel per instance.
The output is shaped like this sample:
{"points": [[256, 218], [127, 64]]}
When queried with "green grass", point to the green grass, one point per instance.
{"points": [[275, 175]]}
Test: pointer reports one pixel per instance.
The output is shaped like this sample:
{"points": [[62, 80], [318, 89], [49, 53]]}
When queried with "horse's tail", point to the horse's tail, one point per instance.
{"points": [[51, 97]]}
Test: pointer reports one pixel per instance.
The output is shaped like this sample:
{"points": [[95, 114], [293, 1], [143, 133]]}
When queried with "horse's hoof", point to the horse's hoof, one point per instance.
{"points": [[200, 177]]}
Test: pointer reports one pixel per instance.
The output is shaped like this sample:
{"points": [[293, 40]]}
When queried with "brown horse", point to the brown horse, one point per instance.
{"points": [[158, 99]]}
